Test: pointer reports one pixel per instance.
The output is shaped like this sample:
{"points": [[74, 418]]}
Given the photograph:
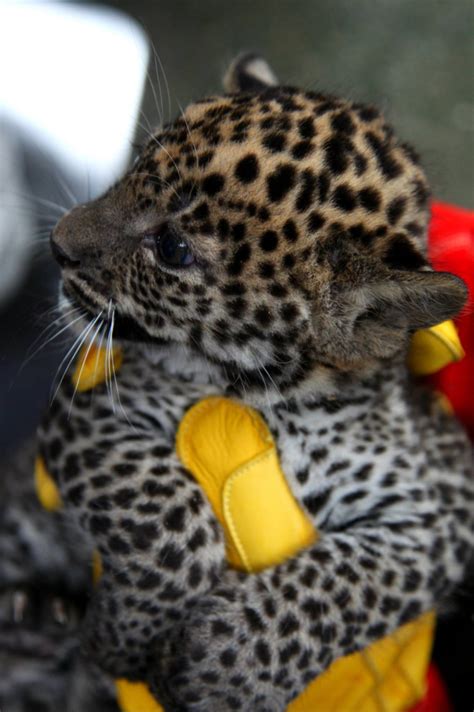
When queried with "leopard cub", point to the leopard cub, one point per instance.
{"points": [[268, 245]]}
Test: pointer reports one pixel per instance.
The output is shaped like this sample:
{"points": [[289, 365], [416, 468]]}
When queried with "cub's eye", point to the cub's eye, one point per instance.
{"points": [[173, 249]]}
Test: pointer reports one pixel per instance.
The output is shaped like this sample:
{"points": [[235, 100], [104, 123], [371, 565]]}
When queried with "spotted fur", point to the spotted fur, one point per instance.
{"points": [[306, 218]]}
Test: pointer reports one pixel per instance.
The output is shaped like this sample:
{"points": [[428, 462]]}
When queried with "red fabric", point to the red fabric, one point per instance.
{"points": [[451, 249], [436, 698]]}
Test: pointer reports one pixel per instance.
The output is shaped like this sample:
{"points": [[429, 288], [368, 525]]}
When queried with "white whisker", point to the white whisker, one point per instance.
{"points": [[50, 339], [99, 349], [47, 203], [153, 137], [83, 364], [158, 111], [108, 357], [66, 190], [157, 58], [51, 325], [76, 346], [115, 378]]}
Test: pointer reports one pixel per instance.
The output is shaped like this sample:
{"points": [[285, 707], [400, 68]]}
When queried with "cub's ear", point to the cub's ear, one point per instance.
{"points": [[249, 72], [418, 299]]}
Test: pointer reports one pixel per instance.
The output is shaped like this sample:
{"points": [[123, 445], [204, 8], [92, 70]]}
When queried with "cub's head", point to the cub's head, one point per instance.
{"points": [[280, 233]]}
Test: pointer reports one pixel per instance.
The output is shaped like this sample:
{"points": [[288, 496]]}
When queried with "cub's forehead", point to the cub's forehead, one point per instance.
{"points": [[243, 135], [277, 123], [284, 152]]}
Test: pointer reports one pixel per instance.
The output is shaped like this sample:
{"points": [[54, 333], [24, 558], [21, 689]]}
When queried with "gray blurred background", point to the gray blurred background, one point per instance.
{"points": [[415, 58]]}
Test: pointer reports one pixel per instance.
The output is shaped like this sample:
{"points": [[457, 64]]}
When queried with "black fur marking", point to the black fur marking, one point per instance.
{"points": [[305, 196], [213, 183], [306, 128], [367, 113], [247, 169], [241, 256], [302, 149], [324, 182], [269, 241], [369, 198], [387, 164], [421, 193], [342, 122], [315, 221], [290, 231], [275, 142], [280, 182], [396, 209], [345, 198], [337, 151], [401, 254]]}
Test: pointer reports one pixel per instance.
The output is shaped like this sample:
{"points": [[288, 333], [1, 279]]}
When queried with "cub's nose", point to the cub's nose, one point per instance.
{"points": [[61, 256]]}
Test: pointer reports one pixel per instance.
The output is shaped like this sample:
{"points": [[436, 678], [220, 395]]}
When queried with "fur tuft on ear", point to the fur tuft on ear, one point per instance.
{"points": [[419, 299], [249, 72], [374, 320]]}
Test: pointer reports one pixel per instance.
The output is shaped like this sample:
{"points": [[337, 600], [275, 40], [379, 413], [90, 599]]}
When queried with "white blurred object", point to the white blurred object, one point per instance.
{"points": [[16, 224], [71, 83], [72, 78]]}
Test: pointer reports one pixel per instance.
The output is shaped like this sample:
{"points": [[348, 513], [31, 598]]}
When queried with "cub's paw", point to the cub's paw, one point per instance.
{"points": [[215, 662]]}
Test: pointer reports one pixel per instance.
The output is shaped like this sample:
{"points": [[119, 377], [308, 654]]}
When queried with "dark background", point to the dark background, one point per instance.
{"points": [[415, 58]]}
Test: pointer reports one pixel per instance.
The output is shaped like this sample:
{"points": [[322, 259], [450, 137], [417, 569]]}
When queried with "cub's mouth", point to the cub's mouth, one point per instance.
{"points": [[123, 326]]}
